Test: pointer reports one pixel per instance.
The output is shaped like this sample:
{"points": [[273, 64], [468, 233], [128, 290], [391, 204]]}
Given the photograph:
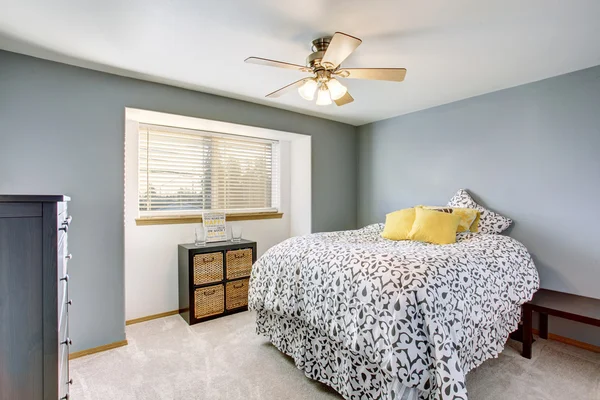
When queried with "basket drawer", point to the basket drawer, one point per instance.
{"points": [[208, 268], [237, 294], [239, 263], [209, 301]]}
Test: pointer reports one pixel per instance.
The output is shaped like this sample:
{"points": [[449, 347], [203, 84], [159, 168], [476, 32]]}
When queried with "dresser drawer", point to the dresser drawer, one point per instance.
{"points": [[61, 207], [63, 297], [63, 289], [236, 294], [239, 263], [64, 224], [63, 373], [64, 342], [62, 258], [208, 268], [209, 301], [63, 370]]}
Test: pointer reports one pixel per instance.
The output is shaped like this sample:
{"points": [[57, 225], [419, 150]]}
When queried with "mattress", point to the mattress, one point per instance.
{"points": [[402, 318]]}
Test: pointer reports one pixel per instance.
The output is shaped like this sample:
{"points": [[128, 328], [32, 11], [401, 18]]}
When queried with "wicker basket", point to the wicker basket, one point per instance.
{"points": [[208, 268], [209, 301], [237, 294], [239, 263]]}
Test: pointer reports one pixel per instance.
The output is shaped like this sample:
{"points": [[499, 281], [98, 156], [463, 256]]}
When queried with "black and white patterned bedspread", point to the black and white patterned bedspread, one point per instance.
{"points": [[426, 314]]}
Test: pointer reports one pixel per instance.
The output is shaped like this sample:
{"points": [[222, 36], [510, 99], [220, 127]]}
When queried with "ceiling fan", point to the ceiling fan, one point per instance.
{"points": [[324, 66]]}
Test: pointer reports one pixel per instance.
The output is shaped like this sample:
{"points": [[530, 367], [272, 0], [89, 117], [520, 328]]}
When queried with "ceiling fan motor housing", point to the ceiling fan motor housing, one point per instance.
{"points": [[319, 46]]}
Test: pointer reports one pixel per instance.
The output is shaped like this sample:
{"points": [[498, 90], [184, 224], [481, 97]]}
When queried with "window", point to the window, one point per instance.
{"points": [[186, 172]]}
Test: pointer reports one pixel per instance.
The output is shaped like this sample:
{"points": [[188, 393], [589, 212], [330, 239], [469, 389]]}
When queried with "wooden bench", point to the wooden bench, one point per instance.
{"points": [[564, 305]]}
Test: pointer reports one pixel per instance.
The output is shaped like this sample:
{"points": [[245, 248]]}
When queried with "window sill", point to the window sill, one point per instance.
{"points": [[195, 219]]}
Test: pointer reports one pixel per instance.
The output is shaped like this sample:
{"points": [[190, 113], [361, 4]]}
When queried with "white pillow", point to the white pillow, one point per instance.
{"points": [[489, 221]]}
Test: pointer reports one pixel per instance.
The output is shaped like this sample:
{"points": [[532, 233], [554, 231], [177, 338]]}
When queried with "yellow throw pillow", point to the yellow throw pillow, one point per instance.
{"points": [[398, 224], [469, 217], [432, 226]]}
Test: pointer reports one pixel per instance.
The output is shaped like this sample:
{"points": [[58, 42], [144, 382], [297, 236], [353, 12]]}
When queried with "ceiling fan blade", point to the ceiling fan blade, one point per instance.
{"points": [[340, 47], [345, 99], [285, 89], [381, 74], [278, 64]]}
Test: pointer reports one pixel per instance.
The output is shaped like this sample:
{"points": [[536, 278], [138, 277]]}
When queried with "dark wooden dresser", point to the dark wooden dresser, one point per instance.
{"points": [[213, 279], [34, 300]]}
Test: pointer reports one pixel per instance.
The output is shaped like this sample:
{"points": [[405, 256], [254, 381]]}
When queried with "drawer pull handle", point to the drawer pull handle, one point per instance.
{"points": [[70, 382], [65, 397], [239, 255], [207, 260], [66, 278], [70, 302], [68, 342], [238, 286], [65, 224], [209, 292], [69, 256]]}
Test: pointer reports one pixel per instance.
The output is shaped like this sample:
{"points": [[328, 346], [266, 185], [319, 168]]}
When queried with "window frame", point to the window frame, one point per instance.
{"points": [[195, 216]]}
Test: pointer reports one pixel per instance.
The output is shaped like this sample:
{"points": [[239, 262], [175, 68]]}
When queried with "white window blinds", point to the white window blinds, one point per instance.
{"points": [[187, 172]]}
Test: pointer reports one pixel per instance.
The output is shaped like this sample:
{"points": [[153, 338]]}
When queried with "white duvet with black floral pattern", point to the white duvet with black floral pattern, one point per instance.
{"points": [[424, 314]]}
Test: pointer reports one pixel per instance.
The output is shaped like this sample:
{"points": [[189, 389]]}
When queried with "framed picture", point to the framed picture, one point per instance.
{"points": [[214, 226]]}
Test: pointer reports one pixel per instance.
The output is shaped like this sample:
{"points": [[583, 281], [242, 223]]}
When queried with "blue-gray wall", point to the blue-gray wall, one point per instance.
{"points": [[61, 131], [531, 153]]}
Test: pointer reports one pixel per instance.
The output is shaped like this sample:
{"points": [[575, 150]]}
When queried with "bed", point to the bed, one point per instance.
{"points": [[381, 319]]}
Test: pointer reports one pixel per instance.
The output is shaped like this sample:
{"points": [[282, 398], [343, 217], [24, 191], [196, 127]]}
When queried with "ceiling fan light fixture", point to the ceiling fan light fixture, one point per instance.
{"points": [[323, 96], [308, 89], [336, 89], [325, 64]]}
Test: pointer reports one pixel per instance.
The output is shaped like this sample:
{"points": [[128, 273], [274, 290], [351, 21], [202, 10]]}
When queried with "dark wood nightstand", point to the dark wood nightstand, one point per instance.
{"points": [[213, 279]]}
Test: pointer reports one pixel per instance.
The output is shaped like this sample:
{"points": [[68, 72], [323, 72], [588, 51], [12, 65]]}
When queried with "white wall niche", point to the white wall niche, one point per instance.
{"points": [[151, 250]]}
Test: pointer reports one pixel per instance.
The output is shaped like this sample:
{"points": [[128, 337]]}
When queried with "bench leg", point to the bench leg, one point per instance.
{"points": [[527, 334], [544, 325]]}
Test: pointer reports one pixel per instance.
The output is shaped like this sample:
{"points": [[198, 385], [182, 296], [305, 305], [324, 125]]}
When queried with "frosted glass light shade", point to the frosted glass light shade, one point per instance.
{"points": [[336, 89], [307, 91], [323, 97]]}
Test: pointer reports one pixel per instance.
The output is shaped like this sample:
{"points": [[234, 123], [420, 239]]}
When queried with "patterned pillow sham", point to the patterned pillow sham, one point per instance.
{"points": [[489, 222]]}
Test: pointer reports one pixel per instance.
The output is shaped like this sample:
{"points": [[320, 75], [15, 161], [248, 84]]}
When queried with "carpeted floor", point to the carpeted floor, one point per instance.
{"points": [[225, 359]]}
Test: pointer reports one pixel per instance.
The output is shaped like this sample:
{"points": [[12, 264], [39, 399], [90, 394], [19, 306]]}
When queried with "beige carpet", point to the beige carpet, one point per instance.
{"points": [[225, 359]]}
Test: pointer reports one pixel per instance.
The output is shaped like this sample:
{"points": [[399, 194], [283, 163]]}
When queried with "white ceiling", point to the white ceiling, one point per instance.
{"points": [[452, 49]]}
